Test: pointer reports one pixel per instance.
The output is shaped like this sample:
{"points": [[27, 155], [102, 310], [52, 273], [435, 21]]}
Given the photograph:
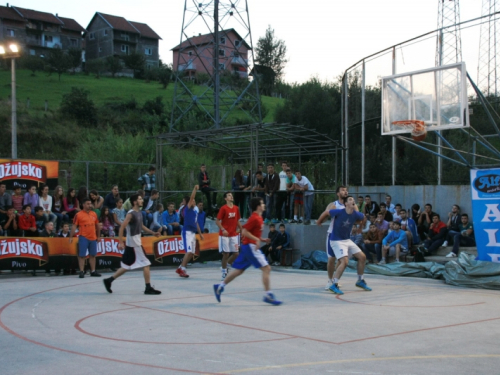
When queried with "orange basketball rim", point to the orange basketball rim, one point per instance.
{"points": [[418, 130]]}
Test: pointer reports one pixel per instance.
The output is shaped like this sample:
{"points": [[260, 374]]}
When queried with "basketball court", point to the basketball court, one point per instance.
{"points": [[62, 325]]}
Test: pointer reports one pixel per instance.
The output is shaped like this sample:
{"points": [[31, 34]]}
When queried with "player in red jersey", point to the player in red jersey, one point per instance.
{"points": [[250, 253], [228, 221]]}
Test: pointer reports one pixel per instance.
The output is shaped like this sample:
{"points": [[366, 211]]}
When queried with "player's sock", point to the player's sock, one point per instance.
{"points": [[360, 277], [222, 284], [294, 217], [148, 285], [268, 292], [335, 280], [383, 258]]}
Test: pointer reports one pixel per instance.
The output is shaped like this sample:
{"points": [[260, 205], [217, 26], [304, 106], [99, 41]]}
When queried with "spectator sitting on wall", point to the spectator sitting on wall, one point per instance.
{"points": [[464, 237], [397, 210], [107, 223], [282, 241], [5, 200], [156, 225], [58, 206], [71, 204], [119, 214], [27, 222], [415, 212], [64, 231], [387, 215], [148, 181], [361, 203], [381, 224], [271, 235], [31, 197], [388, 203], [357, 235], [97, 201], [425, 220], [373, 243], [454, 220], [371, 207], [170, 219], [127, 205], [40, 219], [45, 201], [17, 200], [409, 225], [110, 199], [436, 235], [150, 207], [9, 223], [48, 230], [395, 243]]}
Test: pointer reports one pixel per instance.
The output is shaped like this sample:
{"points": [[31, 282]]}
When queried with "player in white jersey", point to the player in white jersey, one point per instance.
{"points": [[342, 195]]}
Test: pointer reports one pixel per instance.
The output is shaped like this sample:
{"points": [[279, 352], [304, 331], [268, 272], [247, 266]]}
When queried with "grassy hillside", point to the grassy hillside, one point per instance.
{"points": [[102, 91]]}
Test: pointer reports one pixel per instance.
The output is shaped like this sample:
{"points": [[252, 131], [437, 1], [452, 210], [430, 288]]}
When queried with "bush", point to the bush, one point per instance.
{"points": [[78, 106]]}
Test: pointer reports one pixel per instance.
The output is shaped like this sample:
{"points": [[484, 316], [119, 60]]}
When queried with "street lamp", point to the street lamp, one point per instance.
{"points": [[11, 51]]}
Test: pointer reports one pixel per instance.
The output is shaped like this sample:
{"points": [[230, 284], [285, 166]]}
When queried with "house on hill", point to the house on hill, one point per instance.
{"points": [[196, 55], [110, 35], [38, 32]]}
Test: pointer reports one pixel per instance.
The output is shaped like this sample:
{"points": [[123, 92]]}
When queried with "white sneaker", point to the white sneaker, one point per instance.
{"points": [[445, 243], [328, 284], [397, 261], [382, 262], [451, 255]]}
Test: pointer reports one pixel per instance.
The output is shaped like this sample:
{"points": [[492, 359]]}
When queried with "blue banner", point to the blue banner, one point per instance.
{"points": [[485, 190]]}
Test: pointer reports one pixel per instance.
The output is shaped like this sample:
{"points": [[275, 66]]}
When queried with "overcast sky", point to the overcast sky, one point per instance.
{"points": [[323, 37]]}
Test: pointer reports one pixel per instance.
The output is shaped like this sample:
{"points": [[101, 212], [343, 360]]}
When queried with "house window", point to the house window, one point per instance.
{"points": [[32, 52], [222, 66], [124, 48], [222, 40], [235, 54], [190, 53], [91, 36], [237, 43], [148, 51], [105, 31], [11, 32], [48, 38], [73, 42], [222, 53], [125, 36]]}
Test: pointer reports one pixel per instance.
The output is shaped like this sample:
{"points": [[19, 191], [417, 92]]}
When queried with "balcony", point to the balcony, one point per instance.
{"points": [[185, 67], [239, 61]]}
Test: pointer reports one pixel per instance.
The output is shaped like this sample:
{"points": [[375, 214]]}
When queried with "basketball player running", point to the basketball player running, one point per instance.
{"points": [[189, 232], [228, 219], [134, 255], [250, 253], [342, 245], [342, 195]]}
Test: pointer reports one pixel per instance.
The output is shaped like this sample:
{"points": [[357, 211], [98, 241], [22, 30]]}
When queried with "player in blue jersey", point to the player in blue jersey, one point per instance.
{"points": [[342, 245], [189, 232]]}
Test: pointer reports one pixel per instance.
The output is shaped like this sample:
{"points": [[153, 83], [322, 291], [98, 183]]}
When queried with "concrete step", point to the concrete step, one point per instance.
{"points": [[440, 256], [443, 251]]}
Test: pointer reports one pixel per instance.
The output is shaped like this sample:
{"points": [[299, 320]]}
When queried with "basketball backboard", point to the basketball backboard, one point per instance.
{"points": [[437, 96]]}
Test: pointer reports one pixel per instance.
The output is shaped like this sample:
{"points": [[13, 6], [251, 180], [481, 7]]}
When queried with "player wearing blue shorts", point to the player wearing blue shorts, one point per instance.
{"points": [[342, 245], [250, 254], [189, 230]]}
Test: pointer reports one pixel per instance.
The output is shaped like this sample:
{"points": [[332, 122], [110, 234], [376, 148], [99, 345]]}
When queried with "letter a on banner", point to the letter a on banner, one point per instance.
{"points": [[485, 190]]}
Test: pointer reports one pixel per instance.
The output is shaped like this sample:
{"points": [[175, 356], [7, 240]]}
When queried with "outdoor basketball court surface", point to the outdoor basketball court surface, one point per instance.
{"points": [[66, 325]]}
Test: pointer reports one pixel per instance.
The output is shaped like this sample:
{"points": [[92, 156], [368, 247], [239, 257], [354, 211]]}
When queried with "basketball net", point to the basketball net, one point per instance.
{"points": [[418, 130]]}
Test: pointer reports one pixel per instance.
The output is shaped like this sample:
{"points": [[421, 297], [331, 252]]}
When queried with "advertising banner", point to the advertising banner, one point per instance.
{"points": [[485, 190], [26, 172], [56, 253]]}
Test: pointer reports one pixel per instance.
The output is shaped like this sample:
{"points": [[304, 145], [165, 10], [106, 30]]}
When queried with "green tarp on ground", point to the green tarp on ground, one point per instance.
{"points": [[464, 271]]}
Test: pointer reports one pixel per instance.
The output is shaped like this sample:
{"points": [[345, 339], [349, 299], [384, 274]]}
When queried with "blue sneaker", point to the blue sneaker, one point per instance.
{"points": [[335, 289], [269, 298], [218, 289], [362, 284]]}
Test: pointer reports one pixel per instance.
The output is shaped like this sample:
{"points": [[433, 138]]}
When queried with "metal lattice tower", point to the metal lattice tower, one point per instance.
{"points": [[449, 42], [489, 47], [216, 53]]}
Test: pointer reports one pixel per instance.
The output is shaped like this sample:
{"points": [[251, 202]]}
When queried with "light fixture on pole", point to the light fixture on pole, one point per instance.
{"points": [[11, 51]]}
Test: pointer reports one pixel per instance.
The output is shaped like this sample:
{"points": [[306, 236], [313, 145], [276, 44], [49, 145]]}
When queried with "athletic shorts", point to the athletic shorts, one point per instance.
{"points": [[229, 244], [250, 256], [189, 239], [134, 257], [86, 247], [392, 250], [329, 250], [299, 198], [344, 248]]}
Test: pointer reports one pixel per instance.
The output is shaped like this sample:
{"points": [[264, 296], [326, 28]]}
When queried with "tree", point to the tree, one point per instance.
{"points": [[95, 66], [75, 58], [33, 63], [114, 65], [58, 61], [271, 53], [165, 74], [135, 61], [77, 105]]}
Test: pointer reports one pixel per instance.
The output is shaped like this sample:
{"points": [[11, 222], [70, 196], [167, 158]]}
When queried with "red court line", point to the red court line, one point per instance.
{"points": [[373, 304]]}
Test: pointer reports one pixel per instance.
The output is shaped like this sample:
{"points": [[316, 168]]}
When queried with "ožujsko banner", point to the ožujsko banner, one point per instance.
{"points": [[485, 190], [32, 253], [25, 173]]}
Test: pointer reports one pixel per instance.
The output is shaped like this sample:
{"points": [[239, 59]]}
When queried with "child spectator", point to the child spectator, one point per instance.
{"points": [[48, 230], [156, 223], [271, 235], [97, 201], [31, 197], [64, 231], [40, 219], [373, 244], [107, 223], [9, 224], [395, 243], [27, 222], [70, 203], [170, 219], [119, 214], [282, 241], [82, 194], [397, 210], [201, 216], [17, 200], [58, 206], [45, 202]]}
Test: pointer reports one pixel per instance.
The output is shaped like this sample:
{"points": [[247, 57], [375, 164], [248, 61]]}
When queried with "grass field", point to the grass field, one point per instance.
{"points": [[104, 90]]}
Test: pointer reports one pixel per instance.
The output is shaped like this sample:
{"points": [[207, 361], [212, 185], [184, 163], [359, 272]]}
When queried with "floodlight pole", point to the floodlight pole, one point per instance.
{"points": [[14, 110], [216, 65]]}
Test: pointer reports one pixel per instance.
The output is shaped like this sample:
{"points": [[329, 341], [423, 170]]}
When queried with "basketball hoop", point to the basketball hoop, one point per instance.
{"points": [[418, 130]]}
